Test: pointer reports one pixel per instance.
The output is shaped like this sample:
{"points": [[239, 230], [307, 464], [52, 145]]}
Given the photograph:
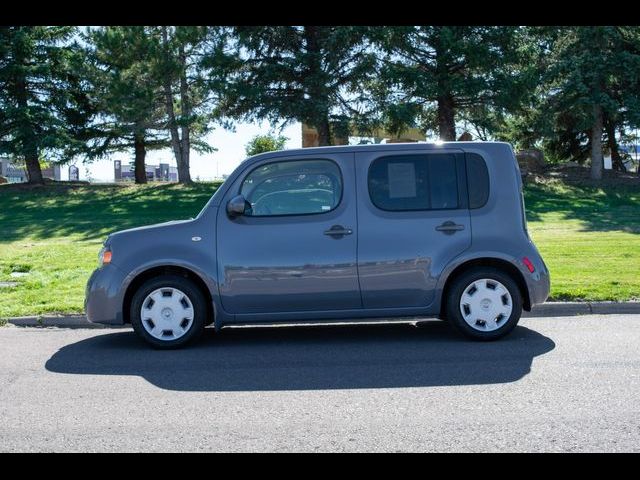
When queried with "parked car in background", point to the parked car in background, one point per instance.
{"points": [[334, 233]]}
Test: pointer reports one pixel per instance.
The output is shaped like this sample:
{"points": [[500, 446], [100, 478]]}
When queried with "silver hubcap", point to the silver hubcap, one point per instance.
{"points": [[486, 305], [167, 313]]}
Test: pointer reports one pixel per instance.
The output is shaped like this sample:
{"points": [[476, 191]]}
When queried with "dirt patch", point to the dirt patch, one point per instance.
{"points": [[48, 184], [574, 174]]}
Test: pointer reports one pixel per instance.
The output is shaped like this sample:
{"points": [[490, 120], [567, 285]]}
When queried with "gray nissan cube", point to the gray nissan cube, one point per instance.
{"points": [[345, 233]]}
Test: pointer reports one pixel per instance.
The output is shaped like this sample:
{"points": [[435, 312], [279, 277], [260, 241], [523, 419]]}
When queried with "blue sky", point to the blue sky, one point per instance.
{"points": [[230, 153]]}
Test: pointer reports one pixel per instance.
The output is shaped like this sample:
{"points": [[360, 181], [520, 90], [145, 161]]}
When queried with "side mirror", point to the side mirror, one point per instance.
{"points": [[236, 206]]}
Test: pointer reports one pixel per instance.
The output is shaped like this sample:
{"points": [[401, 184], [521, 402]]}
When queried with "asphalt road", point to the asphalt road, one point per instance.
{"points": [[555, 384]]}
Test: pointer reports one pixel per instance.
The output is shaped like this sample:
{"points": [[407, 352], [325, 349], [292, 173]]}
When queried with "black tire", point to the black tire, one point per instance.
{"points": [[187, 287], [456, 290]]}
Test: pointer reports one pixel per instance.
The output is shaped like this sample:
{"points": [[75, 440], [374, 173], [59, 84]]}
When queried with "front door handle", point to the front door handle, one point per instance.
{"points": [[338, 231], [449, 227]]}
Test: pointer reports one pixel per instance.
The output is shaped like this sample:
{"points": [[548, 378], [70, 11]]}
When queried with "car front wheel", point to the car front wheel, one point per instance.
{"points": [[168, 311]]}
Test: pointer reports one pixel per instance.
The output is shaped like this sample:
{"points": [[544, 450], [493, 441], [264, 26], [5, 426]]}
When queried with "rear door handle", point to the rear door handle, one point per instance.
{"points": [[338, 230], [449, 227]]}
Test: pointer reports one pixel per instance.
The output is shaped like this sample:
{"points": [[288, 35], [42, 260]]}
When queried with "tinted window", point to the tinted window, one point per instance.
{"points": [[414, 182], [293, 188], [477, 180]]}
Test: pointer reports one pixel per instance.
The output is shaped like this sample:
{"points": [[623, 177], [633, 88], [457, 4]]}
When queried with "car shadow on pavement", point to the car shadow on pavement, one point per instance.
{"points": [[310, 358]]}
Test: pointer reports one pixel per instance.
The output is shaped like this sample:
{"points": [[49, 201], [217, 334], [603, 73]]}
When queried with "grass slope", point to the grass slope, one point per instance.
{"points": [[589, 237], [54, 233]]}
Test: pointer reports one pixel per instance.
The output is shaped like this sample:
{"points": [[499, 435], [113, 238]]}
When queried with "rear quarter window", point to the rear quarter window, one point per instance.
{"points": [[477, 180], [414, 182]]}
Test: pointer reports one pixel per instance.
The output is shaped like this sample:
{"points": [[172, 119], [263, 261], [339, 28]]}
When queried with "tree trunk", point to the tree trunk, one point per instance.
{"points": [[597, 162], [317, 87], [616, 159], [34, 172], [324, 133], [446, 118], [27, 132], [445, 100], [184, 174], [140, 155], [167, 77]]}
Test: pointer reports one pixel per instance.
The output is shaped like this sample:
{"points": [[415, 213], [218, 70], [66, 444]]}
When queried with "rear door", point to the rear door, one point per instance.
{"points": [[413, 219]]}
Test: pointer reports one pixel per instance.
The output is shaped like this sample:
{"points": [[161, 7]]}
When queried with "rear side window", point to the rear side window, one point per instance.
{"points": [[477, 180], [414, 182], [293, 188]]}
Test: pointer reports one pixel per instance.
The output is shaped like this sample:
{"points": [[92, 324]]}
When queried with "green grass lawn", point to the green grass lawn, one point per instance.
{"points": [[54, 234], [589, 237]]}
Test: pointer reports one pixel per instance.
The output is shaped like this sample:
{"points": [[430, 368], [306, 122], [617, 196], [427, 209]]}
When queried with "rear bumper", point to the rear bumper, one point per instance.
{"points": [[104, 296], [539, 288], [538, 282]]}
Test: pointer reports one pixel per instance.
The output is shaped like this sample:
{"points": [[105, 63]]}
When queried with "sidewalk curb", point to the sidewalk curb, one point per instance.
{"points": [[566, 309], [549, 309]]}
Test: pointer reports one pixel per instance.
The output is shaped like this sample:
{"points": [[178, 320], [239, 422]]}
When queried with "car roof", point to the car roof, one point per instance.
{"points": [[377, 147]]}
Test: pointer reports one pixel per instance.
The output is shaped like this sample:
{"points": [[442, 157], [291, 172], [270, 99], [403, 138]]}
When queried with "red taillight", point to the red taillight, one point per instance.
{"points": [[529, 265]]}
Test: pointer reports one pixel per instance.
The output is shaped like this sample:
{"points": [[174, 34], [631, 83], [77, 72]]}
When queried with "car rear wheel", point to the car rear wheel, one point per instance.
{"points": [[168, 311], [484, 303]]}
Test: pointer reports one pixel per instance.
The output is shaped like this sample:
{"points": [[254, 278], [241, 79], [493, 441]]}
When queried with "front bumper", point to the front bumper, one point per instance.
{"points": [[104, 296]]}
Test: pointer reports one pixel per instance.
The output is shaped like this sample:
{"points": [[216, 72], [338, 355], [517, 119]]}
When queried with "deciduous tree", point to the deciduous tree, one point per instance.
{"points": [[265, 143]]}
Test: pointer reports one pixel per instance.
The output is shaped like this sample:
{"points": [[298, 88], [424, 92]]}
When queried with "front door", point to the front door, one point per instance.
{"points": [[294, 250], [412, 221]]}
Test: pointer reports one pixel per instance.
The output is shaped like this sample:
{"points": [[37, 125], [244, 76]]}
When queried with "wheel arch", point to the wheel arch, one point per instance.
{"points": [[158, 270], [501, 264]]}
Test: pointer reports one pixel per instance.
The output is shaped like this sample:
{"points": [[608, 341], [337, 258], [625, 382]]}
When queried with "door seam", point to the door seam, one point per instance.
{"points": [[357, 199]]}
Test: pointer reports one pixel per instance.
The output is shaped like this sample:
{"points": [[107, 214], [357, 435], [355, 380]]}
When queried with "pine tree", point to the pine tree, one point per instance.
{"points": [[310, 74], [452, 73], [40, 95], [593, 83], [126, 95], [192, 64]]}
